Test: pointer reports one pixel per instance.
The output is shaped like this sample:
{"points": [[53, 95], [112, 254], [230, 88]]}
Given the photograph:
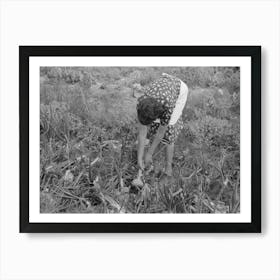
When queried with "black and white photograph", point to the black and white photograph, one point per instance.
{"points": [[140, 140]]}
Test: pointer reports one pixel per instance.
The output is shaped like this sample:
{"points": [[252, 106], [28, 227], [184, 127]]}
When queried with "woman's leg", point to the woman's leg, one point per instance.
{"points": [[169, 158], [171, 136]]}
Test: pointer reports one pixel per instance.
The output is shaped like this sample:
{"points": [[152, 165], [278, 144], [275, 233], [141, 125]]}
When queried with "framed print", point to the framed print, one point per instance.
{"points": [[140, 138]]}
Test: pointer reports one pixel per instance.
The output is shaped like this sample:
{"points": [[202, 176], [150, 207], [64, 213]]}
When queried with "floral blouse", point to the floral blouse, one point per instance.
{"points": [[166, 91]]}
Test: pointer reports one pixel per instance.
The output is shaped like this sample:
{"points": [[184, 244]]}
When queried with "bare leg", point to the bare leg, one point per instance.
{"points": [[169, 159]]}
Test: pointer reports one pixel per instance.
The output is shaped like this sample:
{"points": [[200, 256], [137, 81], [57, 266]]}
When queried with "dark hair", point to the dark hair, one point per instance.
{"points": [[148, 110]]}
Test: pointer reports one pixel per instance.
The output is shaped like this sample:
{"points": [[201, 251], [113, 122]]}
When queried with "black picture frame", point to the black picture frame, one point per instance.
{"points": [[25, 52]]}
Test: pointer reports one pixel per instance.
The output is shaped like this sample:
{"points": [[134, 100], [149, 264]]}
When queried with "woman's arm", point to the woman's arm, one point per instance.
{"points": [[158, 137], [142, 134]]}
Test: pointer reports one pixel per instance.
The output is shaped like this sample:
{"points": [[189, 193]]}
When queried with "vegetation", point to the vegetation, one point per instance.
{"points": [[88, 150]]}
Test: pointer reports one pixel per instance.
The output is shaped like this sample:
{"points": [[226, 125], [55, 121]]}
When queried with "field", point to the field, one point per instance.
{"points": [[88, 142]]}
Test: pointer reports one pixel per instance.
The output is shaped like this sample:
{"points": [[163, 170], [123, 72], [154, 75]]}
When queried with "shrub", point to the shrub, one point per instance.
{"points": [[228, 78], [54, 73], [87, 80], [214, 132], [57, 122], [72, 76]]}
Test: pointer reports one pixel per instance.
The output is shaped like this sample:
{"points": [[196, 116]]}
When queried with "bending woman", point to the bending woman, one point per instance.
{"points": [[159, 113]]}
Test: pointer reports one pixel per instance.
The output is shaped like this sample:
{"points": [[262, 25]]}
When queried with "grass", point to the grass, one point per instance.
{"points": [[88, 152]]}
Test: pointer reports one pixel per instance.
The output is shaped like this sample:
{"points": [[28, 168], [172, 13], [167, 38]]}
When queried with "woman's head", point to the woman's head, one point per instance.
{"points": [[148, 110]]}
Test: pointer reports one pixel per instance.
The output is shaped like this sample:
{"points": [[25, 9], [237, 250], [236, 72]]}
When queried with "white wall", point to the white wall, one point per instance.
{"points": [[146, 256]]}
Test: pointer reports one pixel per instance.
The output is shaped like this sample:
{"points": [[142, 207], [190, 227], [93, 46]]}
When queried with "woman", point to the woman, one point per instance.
{"points": [[159, 113]]}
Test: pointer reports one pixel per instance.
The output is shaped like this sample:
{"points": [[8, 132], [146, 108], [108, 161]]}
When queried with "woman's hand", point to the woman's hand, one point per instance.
{"points": [[158, 137]]}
